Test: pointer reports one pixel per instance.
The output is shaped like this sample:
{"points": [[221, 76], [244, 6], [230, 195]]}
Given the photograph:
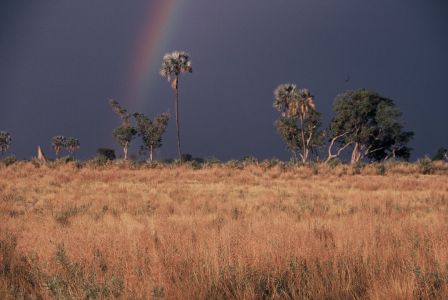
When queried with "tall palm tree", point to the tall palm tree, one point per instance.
{"points": [[173, 65], [300, 121]]}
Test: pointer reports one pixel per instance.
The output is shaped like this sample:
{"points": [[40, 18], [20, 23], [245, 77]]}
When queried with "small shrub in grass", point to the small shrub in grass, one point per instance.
{"points": [[248, 160], [210, 162], [65, 160], [51, 164], [270, 163], [135, 164], [158, 293], [314, 167], [36, 162], [75, 283], [236, 213], [20, 273], [380, 169], [333, 163], [357, 167], [78, 165], [187, 157], [9, 161], [100, 161], [195, 165], [425, 166], [63, 217], [234, 164], [106, 153], [153, 165], [429, 284]]}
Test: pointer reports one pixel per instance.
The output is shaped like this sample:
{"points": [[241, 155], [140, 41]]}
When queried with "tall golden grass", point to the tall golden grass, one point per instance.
{"points": [[223, 232]]}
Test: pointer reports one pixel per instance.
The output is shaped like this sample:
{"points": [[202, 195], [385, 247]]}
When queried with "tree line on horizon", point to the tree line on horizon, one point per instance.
{"points": [[366, 124]]}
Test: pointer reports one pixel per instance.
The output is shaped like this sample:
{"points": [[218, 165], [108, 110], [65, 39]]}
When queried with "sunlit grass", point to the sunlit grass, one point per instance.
{"points": [[251, 231]]}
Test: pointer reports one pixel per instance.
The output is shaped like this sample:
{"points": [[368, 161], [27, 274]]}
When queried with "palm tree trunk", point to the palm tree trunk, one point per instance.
{"points": [[179, 152], [150, 153], [125, 150], [304, 147]]}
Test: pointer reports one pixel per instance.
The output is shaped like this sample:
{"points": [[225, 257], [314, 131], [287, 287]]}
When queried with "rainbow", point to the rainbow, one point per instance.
{"points": [[148, 52]]}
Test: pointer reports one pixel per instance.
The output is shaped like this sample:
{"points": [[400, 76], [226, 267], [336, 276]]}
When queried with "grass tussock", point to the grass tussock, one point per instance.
{"points": [[243, 230]]}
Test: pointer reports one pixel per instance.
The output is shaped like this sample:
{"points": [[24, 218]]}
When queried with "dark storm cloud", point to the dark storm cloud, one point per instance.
{"points": [[61, 60]]}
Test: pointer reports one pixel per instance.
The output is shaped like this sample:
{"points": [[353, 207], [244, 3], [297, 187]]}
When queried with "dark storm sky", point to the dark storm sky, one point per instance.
{"points": [[61, 60]]}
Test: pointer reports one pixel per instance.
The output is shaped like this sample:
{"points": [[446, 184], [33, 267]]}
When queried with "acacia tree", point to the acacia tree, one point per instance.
{"points": [[173, 65], [151, 131], [58, 143], [125, 133], [5, 141], [72, 144], [299, 122], [370, 125]]}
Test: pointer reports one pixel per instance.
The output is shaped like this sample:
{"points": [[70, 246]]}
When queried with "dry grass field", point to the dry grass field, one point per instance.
{"points": [[223, 232]]}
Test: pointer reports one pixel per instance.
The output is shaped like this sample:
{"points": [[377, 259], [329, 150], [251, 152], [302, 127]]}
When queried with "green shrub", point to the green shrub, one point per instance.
{"points": [[36, 163], [106, 153], [63, 217], [235, 164], [9, 160], [75, 283], [333, 163], [357, 167], [187, 157], [65, 159], [425, 166], [100, 160], [249, 160], [195, 165], [441, 154], [78, 164]]}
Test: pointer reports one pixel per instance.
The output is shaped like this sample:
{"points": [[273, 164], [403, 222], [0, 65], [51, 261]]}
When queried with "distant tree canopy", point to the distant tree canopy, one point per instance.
{"points": [[58, 143], [72, 144], [370, 125], [124, 136], [5, 141], [173, 65], [151, 131], [106, 153], [441, 154], [299, 123], [125, 133]]}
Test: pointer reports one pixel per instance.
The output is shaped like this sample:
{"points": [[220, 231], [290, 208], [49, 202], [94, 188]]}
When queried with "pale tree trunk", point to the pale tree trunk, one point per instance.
{"points": [[333, 140], [390, 155], [308, 143], [176, 103], [150, 150], [304, 155], [125, 150], [356, 154]]}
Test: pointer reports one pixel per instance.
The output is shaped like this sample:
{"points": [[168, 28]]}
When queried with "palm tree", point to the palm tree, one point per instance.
{"points": [[58, 143], [299, 122], [173, 65], [5, 141]]}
